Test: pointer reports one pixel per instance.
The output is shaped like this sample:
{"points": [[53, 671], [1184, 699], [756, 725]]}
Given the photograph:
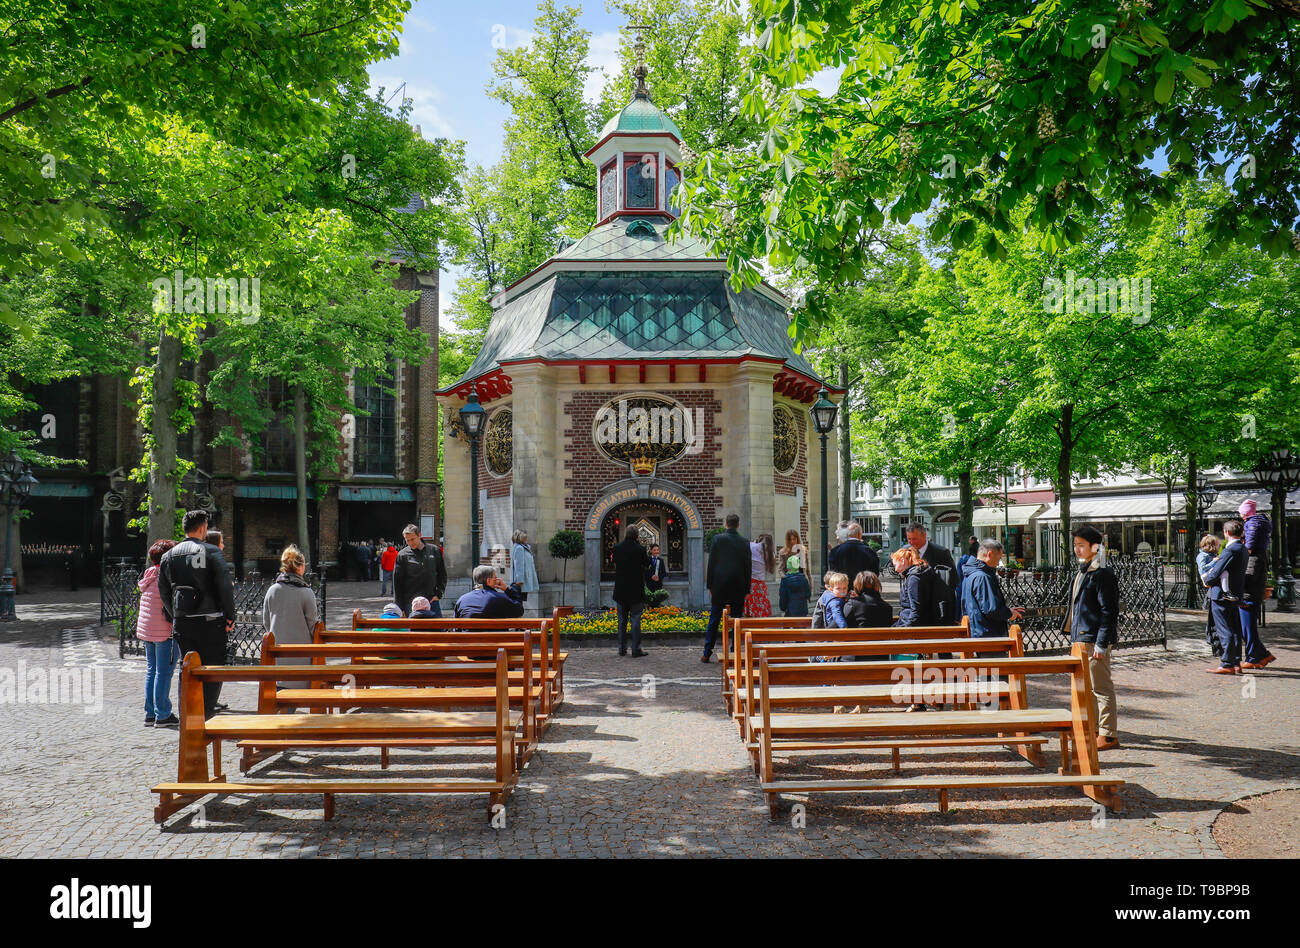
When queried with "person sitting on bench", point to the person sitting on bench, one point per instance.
{"points": [[490, 598]]}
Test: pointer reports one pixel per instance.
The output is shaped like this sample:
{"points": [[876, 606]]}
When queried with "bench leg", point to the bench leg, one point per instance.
{"points": [[773, 805], [383, 758], [943, 800], [897, 761], [169, 803], [1067, 761], [329, 805], [216, 761]]}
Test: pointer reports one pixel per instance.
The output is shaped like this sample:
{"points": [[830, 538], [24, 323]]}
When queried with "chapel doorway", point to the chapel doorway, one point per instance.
{"points": [[656, 522]]}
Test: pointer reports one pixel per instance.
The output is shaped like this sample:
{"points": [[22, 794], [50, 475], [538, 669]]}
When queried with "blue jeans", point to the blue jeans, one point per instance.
{"points": [[385, 581], [625, 613], [160, 660], [1256, 651]]}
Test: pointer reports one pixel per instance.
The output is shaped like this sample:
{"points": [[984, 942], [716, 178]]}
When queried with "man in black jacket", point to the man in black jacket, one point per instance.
{"points": [[853, 556], [1092, 616], [198, 598], [419, 571], [1226, 579], [727, 579], [630, 563], [940, 560]]}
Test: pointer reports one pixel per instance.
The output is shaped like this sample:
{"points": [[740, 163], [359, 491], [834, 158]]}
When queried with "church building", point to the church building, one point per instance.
{"points": [[625, 384]]}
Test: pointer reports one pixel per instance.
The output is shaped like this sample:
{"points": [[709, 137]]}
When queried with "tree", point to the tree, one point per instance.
{"points": [[566, 545], [1001, 118]]}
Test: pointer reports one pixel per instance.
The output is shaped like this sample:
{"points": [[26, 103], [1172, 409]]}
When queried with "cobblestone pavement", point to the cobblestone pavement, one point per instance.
{"points": [[641, 766]]}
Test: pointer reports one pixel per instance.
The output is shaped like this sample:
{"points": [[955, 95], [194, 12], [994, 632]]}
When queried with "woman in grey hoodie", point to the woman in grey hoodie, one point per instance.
{"points": [[289, 610]]}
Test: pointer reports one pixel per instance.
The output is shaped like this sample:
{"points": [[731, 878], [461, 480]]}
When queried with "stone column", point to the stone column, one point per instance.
{"points": [[748, 472], [537, 482], [455, 471]]}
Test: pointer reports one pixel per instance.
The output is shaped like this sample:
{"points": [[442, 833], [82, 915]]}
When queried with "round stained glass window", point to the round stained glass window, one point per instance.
{"points": [[785, 439]]}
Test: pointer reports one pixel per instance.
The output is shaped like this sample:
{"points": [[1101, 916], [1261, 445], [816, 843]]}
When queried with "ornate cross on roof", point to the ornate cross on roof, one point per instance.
{"points": [[640, 71]]}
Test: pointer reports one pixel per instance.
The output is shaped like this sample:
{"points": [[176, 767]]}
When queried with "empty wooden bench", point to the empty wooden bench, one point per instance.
{"points": [[459, 684], [193, 781], [546, 630], [833, 734]]}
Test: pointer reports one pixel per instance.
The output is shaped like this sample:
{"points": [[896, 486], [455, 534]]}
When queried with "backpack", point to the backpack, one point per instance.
{"points": [[819, 614], [940, 602]]}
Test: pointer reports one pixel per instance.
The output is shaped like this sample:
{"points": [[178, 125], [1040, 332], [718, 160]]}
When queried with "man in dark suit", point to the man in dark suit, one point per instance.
{"points": [[853, 556], [940, 560], [727, 578], [490, 598], [1092, 617], [630, 563], [1226, 579]]}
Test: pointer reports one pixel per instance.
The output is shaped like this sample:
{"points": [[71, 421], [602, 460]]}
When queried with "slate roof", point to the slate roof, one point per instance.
{"points": [[634, 313], [641, 115]]}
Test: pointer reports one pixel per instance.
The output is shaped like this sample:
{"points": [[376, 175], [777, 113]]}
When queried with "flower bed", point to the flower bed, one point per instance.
{"points": [[658, 619]]}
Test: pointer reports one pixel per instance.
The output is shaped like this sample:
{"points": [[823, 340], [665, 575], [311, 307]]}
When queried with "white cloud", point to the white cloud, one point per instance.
{"points": [[603, 55], [426, 100], [825, 81]]}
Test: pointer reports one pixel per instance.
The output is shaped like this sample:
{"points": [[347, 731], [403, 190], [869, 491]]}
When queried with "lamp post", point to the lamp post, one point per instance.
{"points": [[16, 483], [472, 417], [1206, 495], [823, 414]]}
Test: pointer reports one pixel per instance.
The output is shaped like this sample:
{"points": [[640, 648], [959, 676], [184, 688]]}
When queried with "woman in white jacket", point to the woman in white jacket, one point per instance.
{"points": [[523, 568]]}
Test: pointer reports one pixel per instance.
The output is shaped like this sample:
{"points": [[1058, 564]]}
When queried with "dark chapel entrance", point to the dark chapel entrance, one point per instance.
{"points": [[656, 522]]}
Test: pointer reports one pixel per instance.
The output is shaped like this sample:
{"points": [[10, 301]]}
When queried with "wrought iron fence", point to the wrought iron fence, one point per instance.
{"points": [[1044, 593], [243, 644], [1176, 592], [111, 599]]}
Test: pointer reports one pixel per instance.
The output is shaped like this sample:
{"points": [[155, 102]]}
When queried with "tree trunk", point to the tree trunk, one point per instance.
{"points": [[162, 461], [1064, 481], [300, 466], [966, 500], [1169, 518], [846, 461], [1190, 543]]}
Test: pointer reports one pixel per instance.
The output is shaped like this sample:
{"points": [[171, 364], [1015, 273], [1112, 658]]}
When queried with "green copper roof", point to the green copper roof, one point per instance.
{"points": [[611, 241], [641, 115], [637, 314]]}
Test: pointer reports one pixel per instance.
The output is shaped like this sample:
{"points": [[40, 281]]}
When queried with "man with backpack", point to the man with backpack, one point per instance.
{"points": [[198, 598], [940, 561]]}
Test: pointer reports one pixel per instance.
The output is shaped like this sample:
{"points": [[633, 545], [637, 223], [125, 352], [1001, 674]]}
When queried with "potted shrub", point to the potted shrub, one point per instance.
{"points": [[566, 545]]}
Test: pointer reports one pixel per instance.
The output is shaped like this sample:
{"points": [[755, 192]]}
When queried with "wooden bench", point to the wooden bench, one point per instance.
{"points": [[797, 682], [459, 684], [731, 629], [833, 734], [193, 781], [769, 630], [547, 631]]}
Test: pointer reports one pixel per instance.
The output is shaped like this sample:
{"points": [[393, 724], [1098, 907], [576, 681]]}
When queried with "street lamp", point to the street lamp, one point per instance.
{"points": [[472, 417], [1279, 471], [16, 483], [1206, 495], [823, 414]]}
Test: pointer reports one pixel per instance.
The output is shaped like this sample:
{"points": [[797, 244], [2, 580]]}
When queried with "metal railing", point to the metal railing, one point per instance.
{"points": [[120, 603]]}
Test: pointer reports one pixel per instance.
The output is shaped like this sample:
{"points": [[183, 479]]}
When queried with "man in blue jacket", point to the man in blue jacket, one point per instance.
{"points": [[1092, 617], [1226, 580], [982, 598], [490, 598]]}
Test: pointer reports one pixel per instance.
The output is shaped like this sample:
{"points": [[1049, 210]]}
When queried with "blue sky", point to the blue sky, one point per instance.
{"points": [[446, 62]]}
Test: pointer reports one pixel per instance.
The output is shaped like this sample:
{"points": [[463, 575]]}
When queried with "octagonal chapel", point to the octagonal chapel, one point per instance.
{"points": [[625, 384]]}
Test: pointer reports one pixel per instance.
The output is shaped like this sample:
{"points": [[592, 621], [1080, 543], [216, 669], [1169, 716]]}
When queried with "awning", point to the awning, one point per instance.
{"points": [[272, 491], [42, 489], [377, 494], [1017, 515], [1117, 507]]}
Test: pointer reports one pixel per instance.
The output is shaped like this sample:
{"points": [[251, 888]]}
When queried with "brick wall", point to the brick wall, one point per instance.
{"points": [[588, 472]]}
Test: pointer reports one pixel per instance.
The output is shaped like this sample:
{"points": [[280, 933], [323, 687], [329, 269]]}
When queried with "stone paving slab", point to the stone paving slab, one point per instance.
{"points": [[640, 766]]}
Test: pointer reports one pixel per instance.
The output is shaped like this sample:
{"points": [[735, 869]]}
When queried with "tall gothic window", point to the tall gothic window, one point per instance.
{"points": [[277, 436], [375, 443]]}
